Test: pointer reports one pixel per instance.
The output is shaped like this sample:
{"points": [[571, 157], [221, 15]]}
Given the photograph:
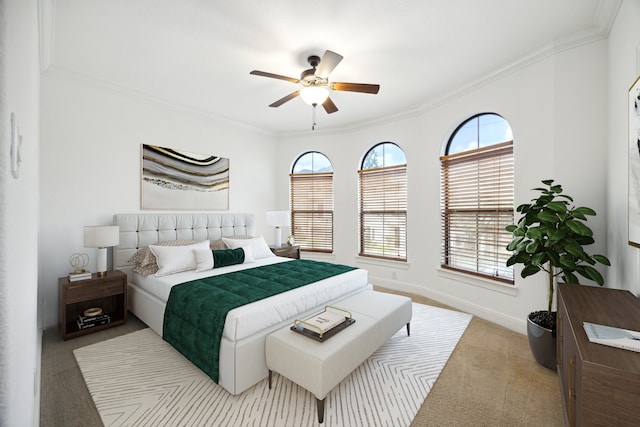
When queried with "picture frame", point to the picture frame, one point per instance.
{"points": [[634, 163], [173, 179]]}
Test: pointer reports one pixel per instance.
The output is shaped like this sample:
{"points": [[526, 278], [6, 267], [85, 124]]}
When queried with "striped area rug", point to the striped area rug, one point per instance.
{"points": [[139, 380]]}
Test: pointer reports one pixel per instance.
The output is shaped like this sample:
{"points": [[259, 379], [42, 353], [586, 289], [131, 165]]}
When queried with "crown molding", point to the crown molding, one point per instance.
{"points": [[57, 72]]}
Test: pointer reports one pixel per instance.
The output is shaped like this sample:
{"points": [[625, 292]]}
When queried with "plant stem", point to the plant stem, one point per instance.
{"points": [[550, 288]]}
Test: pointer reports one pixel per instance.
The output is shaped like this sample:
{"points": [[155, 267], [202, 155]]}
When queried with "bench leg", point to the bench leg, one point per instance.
{"points": [[270, 377], [409, 329], [320, 404]]}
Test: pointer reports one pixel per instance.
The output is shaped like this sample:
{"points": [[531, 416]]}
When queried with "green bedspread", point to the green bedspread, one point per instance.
{"points": [[196, 311]]}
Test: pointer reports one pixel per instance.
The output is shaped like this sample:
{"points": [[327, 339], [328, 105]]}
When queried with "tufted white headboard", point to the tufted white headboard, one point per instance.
{"points": [[139, 230]]}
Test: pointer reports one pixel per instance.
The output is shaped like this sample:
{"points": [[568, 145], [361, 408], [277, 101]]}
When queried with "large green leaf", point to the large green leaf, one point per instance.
{"points": [[532, 247], [534, 233], [576, 250], [554, 258], [514, 243], [585, 240], [539, 258], [585, 211], [569, 277], [545, 216], [602, 259], [557, 206], [556, 235], [567, 262], [579, 228], [564, 196], [592, 274], [522, 245], [529, 270], [556, 189]]}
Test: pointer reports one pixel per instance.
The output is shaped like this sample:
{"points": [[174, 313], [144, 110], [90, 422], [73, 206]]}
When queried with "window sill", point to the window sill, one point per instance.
{"points": [[383, 262], [478, 281]]}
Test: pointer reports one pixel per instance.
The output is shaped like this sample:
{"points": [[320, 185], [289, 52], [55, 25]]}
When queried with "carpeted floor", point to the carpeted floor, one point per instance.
{"points": [[490, 379]]}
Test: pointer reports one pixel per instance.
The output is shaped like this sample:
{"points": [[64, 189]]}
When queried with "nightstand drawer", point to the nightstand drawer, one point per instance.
{"points": [[79, 292]]}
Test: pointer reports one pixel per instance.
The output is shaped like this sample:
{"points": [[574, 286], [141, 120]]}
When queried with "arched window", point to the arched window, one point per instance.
{"points": [[311, 188], [383, 203], [477, 197]]}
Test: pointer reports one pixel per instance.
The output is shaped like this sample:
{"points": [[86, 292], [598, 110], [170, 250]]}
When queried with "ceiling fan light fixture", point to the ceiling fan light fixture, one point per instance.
{"points": [[314, 95]]}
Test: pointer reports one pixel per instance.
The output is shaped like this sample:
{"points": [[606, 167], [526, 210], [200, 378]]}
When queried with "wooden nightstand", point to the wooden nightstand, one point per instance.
{"points": [[108, 293], [286, 251]]}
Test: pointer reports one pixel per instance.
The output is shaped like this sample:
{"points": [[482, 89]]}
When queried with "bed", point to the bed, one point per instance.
{"points": [[241, 354]]}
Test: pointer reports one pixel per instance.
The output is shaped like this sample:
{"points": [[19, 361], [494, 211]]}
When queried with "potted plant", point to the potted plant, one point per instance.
{"points": [[550, 236]]}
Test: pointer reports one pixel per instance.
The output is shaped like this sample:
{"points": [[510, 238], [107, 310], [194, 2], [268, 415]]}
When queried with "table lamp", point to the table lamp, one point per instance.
{"points": [[278, 219], [101, 237]]}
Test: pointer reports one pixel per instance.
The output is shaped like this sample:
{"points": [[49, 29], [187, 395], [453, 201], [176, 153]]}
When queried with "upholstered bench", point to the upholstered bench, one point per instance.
{"points": [[320, 366]]}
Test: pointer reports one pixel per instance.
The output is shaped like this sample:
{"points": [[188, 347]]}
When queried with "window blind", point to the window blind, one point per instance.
{"points": [[312, 211], [476, 206], [383, 212]]}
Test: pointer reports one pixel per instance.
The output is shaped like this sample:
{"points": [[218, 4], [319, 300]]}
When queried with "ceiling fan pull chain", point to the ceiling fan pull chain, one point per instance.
{"points": [[313, 117]]}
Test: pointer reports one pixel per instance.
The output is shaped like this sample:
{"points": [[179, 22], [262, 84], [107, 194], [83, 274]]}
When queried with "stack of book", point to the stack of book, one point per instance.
{"points": [[86, 322], [74, 277], [324, 325], [325, 321]]}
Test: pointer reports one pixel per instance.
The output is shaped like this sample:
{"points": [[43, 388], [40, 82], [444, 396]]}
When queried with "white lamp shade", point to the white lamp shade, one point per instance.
{"points": [[102, 236], [314, 95], [278, 218]]}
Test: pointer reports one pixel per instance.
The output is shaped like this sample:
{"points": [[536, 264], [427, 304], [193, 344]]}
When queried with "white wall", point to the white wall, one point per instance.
{"points": [[91, 136], [624, 68], [20, 337], [559, 132]]}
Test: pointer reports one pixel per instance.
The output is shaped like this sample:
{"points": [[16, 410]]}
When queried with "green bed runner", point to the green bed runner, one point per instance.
{"points": [[196, 311]]}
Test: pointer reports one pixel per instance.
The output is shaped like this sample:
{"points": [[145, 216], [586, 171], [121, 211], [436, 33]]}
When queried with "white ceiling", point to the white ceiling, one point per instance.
{"points": [[197, 54]]}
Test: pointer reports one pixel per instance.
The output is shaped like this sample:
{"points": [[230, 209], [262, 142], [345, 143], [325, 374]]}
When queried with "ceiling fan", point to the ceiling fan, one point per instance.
{"points": [[315, 83]]}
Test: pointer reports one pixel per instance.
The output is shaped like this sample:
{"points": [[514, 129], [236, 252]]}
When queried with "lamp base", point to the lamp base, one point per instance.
{"points": [[278, 237], [101, 262]]}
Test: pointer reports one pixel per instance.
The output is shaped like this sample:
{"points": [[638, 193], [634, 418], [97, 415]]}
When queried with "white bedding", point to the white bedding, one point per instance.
{"points": [[244, 321]]}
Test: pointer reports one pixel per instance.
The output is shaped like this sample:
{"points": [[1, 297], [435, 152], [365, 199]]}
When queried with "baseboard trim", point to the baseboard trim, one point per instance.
{"points": [[509, 322]]}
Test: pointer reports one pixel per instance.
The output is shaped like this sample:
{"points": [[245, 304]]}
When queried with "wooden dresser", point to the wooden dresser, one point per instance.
{"points": [[600, 384]]}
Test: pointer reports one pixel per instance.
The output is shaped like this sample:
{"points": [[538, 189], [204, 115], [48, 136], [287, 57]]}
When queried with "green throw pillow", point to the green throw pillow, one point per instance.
{"points": [[225, 257]]}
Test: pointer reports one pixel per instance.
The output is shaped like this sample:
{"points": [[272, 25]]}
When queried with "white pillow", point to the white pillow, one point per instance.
{"points": [[204, 259], [259, 247], [248, 254], [174, 259]]}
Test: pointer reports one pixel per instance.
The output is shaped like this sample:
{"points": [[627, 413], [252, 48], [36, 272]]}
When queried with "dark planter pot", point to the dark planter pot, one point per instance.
{"points": [[542, 342]]}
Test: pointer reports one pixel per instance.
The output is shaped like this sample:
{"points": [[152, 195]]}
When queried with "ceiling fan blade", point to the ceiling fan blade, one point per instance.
{"points": [[329, 106], [329, 61], [355, 87], [274, 76], [289, 97]]}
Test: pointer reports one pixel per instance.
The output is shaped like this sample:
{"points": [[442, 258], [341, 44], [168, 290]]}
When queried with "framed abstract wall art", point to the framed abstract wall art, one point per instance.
{"points": [[634, 164], [179, 180]]}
